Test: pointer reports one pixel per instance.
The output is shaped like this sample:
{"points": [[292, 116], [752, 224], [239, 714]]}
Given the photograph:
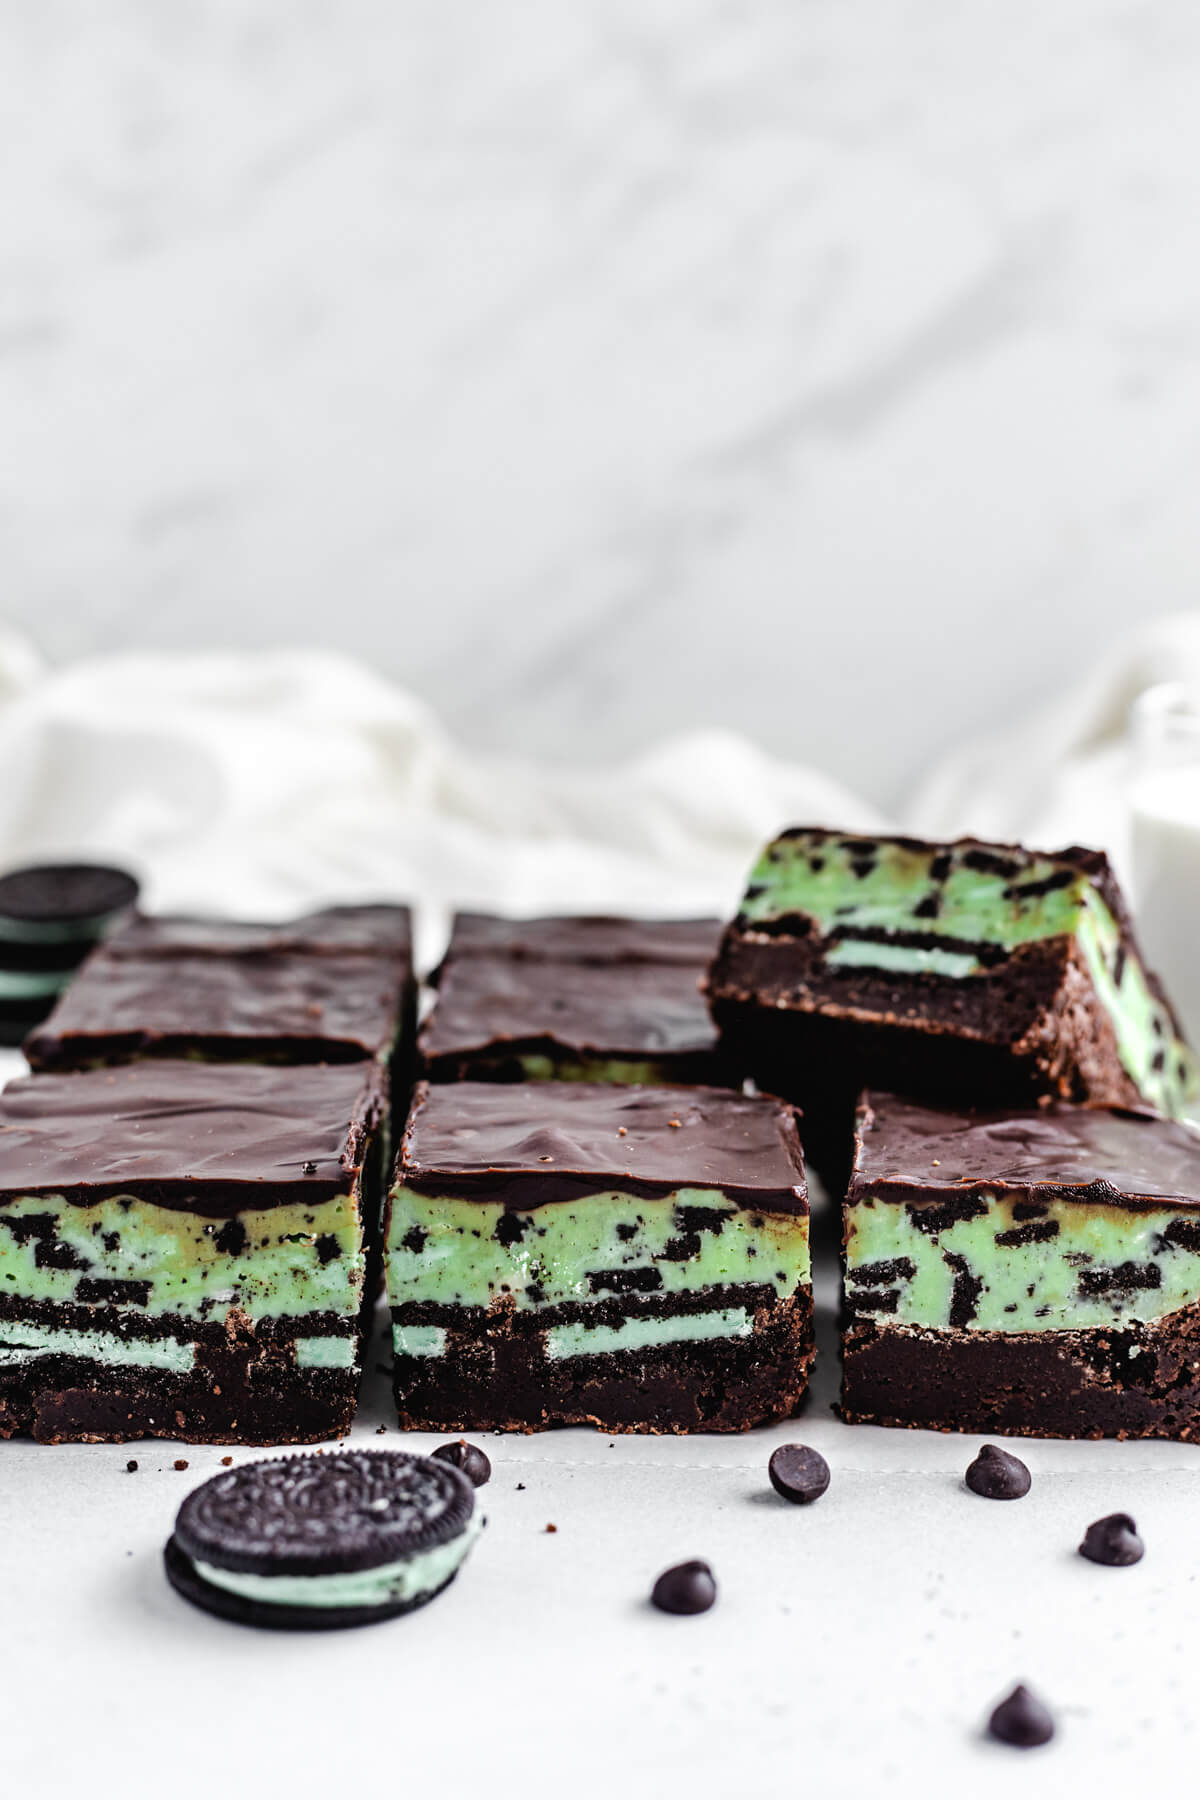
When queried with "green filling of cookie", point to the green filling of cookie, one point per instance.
{"points": [[1064, 1265], [867, 896], [411, 1578]]}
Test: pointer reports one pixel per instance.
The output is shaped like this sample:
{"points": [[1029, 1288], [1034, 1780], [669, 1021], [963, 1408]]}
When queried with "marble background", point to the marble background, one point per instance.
{"points": [[824, 370]]}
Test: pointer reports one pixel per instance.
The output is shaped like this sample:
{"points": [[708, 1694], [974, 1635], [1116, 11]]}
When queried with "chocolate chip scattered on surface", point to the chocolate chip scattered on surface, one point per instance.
{"points": [[1021, 1720], [1113, 1541], [798, 1473], [997, 1474], [469, 1458], [686, 1587]]}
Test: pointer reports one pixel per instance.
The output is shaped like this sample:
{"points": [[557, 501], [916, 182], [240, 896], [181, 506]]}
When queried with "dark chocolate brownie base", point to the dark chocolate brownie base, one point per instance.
{"points": [[236, 1607], [229, 1398], [821, 1059], [495, 1378], [1142, 1381]]}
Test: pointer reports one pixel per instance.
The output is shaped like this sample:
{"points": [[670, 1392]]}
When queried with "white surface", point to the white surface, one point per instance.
{"points": [[528, 348], [855, 1648]]}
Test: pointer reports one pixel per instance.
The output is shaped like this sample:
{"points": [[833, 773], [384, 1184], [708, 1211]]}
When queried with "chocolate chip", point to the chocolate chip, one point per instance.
{"points": [[1021, 1720], [687, 1587], [798, 1473], [467, 1457], [1113, 1541], [131, 1467], [998, 1475]]}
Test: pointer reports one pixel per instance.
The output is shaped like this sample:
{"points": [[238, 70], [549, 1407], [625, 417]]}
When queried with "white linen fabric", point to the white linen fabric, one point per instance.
{"points": [[263, 783]]}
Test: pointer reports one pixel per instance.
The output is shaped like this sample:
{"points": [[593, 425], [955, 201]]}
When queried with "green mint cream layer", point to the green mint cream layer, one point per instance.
{"points": [[952, 911], [478, 1254], [1076, 1265]]}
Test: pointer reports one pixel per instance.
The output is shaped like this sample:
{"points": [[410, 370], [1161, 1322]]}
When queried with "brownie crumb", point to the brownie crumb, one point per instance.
{"points": [[520, 1487], [380, 1430], [552, 1528], [227, 1462], [180, 1462]]}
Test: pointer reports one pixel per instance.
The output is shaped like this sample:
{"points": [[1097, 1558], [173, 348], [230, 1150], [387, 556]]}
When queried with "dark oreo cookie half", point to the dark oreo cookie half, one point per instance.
{"points": [[315, 1542], [50, 917]]}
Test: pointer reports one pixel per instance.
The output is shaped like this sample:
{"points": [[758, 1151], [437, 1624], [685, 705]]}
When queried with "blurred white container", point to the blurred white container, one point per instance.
{"points": [[1165, 810]]}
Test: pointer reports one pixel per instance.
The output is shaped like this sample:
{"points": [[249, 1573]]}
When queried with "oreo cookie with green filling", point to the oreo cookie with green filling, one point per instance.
{"points": [[311, 1543], [51, 916]]}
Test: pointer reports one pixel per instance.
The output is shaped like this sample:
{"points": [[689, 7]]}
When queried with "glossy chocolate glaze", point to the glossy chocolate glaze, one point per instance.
{"points": [[382, 930], [608, 1009], [201, 1137], [1088, 1153], [586, 938], [529, 1144]]}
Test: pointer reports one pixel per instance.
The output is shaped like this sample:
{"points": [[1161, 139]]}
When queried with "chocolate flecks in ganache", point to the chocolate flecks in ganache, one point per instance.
{"points": [[1126, 1278], [327, 1247], [626, 1281], [33, 1225], [50, 1254], [1021, 1720], [701, 1218], [1183, 1234], [942, 1214], [510, 1228], [964, 1297], [881, 1274], [798, 1473], [1037, 1231], [1113, 1541], [90, 1291], [231, 1239], [687, 1587], [997, 1474]]}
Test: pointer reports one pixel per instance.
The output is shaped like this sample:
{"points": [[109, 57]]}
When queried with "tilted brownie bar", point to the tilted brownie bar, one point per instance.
{"points": [[371, 930], [274, 1006], [509, 1019], [582, 938], [1033, 1271], [981, 973], [633, 1258], [185, 1249]]}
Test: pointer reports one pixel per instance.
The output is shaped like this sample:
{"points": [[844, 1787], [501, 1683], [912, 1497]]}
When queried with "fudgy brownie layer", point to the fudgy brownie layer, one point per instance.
{"points": [[1137, 1382], [237, 1395], [491, 1376]]}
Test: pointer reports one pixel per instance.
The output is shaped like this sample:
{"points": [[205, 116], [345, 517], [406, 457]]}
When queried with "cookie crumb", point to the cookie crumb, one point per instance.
{"points": [[380, 1430], [131, 1466], [552, 1528], [227, 1462], [180, 1462]]}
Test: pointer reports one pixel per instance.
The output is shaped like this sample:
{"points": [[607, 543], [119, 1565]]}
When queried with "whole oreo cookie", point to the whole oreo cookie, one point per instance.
{"points": [[311, 1543]]}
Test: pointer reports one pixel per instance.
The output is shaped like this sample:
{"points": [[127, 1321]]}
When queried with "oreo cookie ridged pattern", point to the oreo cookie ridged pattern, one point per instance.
{"points": [[316, 1542], [50, 917]]}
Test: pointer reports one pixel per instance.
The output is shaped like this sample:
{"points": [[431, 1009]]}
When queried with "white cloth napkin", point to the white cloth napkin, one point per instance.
{"points": [[263, 783]]}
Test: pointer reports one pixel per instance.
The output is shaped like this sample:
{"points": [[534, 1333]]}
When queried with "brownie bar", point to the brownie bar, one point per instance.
{"points": [[1033, 1271], [521, 1019], [335, 986], [964, 971], [371, 930], [184, 1250], [584, 938], [632, 1258]]}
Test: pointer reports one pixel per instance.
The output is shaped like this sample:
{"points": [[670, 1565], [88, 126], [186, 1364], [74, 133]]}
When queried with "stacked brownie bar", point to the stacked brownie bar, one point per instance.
{"points": [[583, 1227], [574, 999], [1019, 1242], [191, 1182]]}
